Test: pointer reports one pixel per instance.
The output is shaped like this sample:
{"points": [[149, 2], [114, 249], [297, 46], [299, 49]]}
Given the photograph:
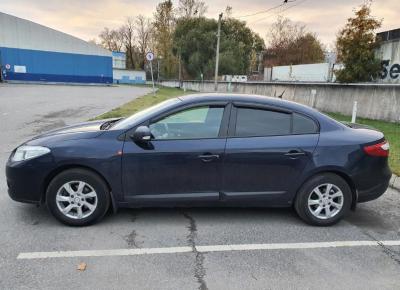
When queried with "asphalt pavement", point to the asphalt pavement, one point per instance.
{"points": [[204, 248]]}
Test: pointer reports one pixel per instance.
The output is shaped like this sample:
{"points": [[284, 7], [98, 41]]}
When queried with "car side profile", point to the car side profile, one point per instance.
{"points": [[203, 150]]}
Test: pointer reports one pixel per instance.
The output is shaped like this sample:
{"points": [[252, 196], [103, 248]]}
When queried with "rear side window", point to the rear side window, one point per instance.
{"points": [[303, 125], [258, 122]]}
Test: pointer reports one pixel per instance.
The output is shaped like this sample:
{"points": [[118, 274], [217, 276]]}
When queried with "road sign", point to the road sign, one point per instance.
{"points": [[8, 66], [149, 56]]}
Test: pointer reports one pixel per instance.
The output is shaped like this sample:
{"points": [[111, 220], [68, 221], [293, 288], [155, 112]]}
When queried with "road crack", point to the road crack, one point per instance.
{"points": [[392, 254], [199, 270]]}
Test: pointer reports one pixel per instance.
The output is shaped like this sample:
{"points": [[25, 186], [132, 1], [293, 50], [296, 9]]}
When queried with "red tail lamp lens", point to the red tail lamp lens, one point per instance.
{"points": [[380, 149]]}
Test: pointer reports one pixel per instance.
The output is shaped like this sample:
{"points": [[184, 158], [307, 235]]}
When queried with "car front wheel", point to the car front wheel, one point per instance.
{"points": [[78, 197], [323, 200]]}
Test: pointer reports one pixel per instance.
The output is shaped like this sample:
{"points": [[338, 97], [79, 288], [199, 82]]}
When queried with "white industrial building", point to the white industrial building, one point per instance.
{"points": [[123, 76]]}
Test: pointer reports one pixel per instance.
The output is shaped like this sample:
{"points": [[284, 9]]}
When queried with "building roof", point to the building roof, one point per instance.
{"points": [[393, 34], [20, 33]]}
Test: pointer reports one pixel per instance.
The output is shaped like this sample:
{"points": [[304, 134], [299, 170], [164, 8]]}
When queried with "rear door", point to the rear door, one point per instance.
{"points": [[267, 149]]}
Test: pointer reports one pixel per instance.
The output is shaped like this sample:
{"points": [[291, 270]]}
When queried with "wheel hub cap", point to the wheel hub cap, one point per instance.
{"points": [[76, 199], [325, 201]]}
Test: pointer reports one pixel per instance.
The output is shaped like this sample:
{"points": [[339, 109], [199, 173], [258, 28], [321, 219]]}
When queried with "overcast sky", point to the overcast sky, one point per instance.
{"points": [[86, 18]]}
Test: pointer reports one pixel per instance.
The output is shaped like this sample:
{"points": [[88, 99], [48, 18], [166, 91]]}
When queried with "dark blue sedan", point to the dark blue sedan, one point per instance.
{"points": [[204, 150]]}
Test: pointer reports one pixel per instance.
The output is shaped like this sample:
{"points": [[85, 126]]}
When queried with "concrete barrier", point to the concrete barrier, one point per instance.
{"points": [[375, 101]]}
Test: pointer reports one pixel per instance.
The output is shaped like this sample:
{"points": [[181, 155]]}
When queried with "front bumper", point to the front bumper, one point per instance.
{"points": [[26, 180]]}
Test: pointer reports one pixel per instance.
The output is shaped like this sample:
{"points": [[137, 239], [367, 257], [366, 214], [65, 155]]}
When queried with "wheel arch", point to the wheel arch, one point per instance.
{"points": [[339, 173], [63, 168]]}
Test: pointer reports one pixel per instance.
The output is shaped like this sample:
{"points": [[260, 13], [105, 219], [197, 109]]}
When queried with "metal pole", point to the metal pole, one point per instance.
{"points": [[217, 56], [158, 70], [180, 69], [354, 115], [152, 78]]}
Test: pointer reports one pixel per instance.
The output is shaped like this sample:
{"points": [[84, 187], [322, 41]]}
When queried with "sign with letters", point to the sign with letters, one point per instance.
{"points": [[20, 69], [390, 71]]}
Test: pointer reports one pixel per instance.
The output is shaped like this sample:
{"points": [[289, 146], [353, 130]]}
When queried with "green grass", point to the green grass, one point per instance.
{"points": [[392, 134], [143, 102], [391, 130]]}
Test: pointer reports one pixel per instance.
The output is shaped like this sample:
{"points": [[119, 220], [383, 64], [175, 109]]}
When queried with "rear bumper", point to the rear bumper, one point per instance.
{"points": [[372, 178], [374, 192]]}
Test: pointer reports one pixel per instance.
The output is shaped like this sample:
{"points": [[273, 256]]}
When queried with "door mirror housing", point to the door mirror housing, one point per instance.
{"points": [[141, 134]]}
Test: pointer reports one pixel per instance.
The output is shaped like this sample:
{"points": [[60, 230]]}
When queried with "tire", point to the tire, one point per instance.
{"points": [[81, 194], [317, 207]]}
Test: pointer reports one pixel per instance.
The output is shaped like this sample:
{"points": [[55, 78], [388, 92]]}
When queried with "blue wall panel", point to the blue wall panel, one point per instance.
{"points": [[56, 66]]}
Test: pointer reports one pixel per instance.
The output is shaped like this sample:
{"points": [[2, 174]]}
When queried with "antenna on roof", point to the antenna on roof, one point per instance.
{"points": [[281, 95]]}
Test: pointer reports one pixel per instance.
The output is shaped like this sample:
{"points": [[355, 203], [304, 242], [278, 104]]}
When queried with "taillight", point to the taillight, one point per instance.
{"points": [[380, 149]]}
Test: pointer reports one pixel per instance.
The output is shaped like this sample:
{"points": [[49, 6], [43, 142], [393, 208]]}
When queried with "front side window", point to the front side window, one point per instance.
{"points": [[259, 122], [193, 123]]}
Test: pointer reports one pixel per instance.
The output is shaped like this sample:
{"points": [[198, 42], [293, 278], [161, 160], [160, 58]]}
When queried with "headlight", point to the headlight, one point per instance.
{"points": [[29, 152]]}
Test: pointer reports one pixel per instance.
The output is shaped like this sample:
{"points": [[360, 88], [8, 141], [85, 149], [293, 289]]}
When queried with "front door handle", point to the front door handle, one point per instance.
{"points": [[208, 157], [295, 153]]}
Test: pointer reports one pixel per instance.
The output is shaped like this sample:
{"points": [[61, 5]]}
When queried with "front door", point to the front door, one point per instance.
{"points": [[182, 162]]}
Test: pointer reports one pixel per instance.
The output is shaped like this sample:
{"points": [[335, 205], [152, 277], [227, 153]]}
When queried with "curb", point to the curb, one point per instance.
{"points": [[395, 182]]}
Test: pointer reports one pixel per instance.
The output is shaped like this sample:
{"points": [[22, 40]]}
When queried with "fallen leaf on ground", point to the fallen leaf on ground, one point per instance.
{"points": [[81, 267]]}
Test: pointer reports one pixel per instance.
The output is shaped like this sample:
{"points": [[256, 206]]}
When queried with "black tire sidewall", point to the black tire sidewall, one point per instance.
{"points": [[102, 191], [301, 203]]}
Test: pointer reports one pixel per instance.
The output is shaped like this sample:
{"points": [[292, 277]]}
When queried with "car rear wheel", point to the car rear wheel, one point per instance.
{"points": [[78, 197], [323, 200]]}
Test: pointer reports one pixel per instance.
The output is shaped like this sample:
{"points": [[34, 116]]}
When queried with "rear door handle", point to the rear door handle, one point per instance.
{"points": [[208, 157], [295, 153]]}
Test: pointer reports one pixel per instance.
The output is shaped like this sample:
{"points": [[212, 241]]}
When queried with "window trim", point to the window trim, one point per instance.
{"points": [[237, 105], [223, 129]]}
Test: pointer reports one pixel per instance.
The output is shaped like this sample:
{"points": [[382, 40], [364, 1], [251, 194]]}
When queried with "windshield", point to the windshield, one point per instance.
{"points": [[141, 115]]}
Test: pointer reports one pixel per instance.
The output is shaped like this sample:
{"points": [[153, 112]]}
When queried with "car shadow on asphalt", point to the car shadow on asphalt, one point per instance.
{"points": [[364, 217], [35, 215]]}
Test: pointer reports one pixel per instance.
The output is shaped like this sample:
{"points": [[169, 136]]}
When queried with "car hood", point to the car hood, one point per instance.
{"points": [[84, 130]]}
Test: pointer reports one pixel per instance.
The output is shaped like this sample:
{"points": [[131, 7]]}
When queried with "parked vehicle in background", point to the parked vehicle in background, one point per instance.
{"points": [[204, 150], [235, 78]]}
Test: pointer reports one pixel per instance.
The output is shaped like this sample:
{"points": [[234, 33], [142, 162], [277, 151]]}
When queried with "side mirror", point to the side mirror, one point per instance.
{"points": [[141, 134]]}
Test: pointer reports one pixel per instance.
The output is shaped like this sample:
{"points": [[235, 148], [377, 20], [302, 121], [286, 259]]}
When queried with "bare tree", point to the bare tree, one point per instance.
{"points": [[111, 39], [128, 32], [191, 8], [164, 26], [228, 12], [291, 43], [143, 29]]}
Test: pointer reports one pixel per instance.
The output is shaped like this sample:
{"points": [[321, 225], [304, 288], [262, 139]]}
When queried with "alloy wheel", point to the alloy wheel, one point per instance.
{"points": [[76, 199], [325, 201]]}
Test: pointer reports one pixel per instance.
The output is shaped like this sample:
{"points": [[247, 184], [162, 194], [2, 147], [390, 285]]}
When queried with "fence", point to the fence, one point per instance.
{"points": [[375, 101]]}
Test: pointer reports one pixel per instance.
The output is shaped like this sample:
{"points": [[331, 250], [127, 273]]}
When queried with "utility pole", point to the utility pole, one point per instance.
{"points": [[180, 68], [217, 56], [158, 70]]}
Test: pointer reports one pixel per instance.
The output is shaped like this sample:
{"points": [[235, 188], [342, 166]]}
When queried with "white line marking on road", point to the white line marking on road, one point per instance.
{"points": [[100, 253], [211, 248], [288, 246]]}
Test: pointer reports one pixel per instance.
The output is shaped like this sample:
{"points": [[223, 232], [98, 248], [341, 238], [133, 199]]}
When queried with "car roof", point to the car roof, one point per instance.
{"points": [[248, 98], [326, 122]]}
